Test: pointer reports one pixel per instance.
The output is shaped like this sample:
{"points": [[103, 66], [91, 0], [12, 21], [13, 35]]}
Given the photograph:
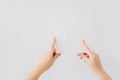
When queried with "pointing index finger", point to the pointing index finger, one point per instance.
{"points": [[52, 48], [85, 46]]}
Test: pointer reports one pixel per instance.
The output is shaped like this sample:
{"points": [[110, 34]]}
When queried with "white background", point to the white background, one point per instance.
{"points": [[27, 28]]}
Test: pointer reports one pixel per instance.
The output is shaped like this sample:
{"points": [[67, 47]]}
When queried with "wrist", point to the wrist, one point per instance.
{"points": [[98, 70], [103, 75], [35, 73]]}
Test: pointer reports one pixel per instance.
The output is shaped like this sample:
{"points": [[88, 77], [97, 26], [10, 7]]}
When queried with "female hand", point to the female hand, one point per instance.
{"points": [[45, 62], [92, 59]]}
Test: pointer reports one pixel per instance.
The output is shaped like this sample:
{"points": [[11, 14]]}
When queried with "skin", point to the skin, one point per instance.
{"points": [[92, 59], [47, 60]]}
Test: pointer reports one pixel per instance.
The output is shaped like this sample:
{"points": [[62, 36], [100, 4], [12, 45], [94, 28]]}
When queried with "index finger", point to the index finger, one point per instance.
{"points": [[52, 48], [85, 46]]}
